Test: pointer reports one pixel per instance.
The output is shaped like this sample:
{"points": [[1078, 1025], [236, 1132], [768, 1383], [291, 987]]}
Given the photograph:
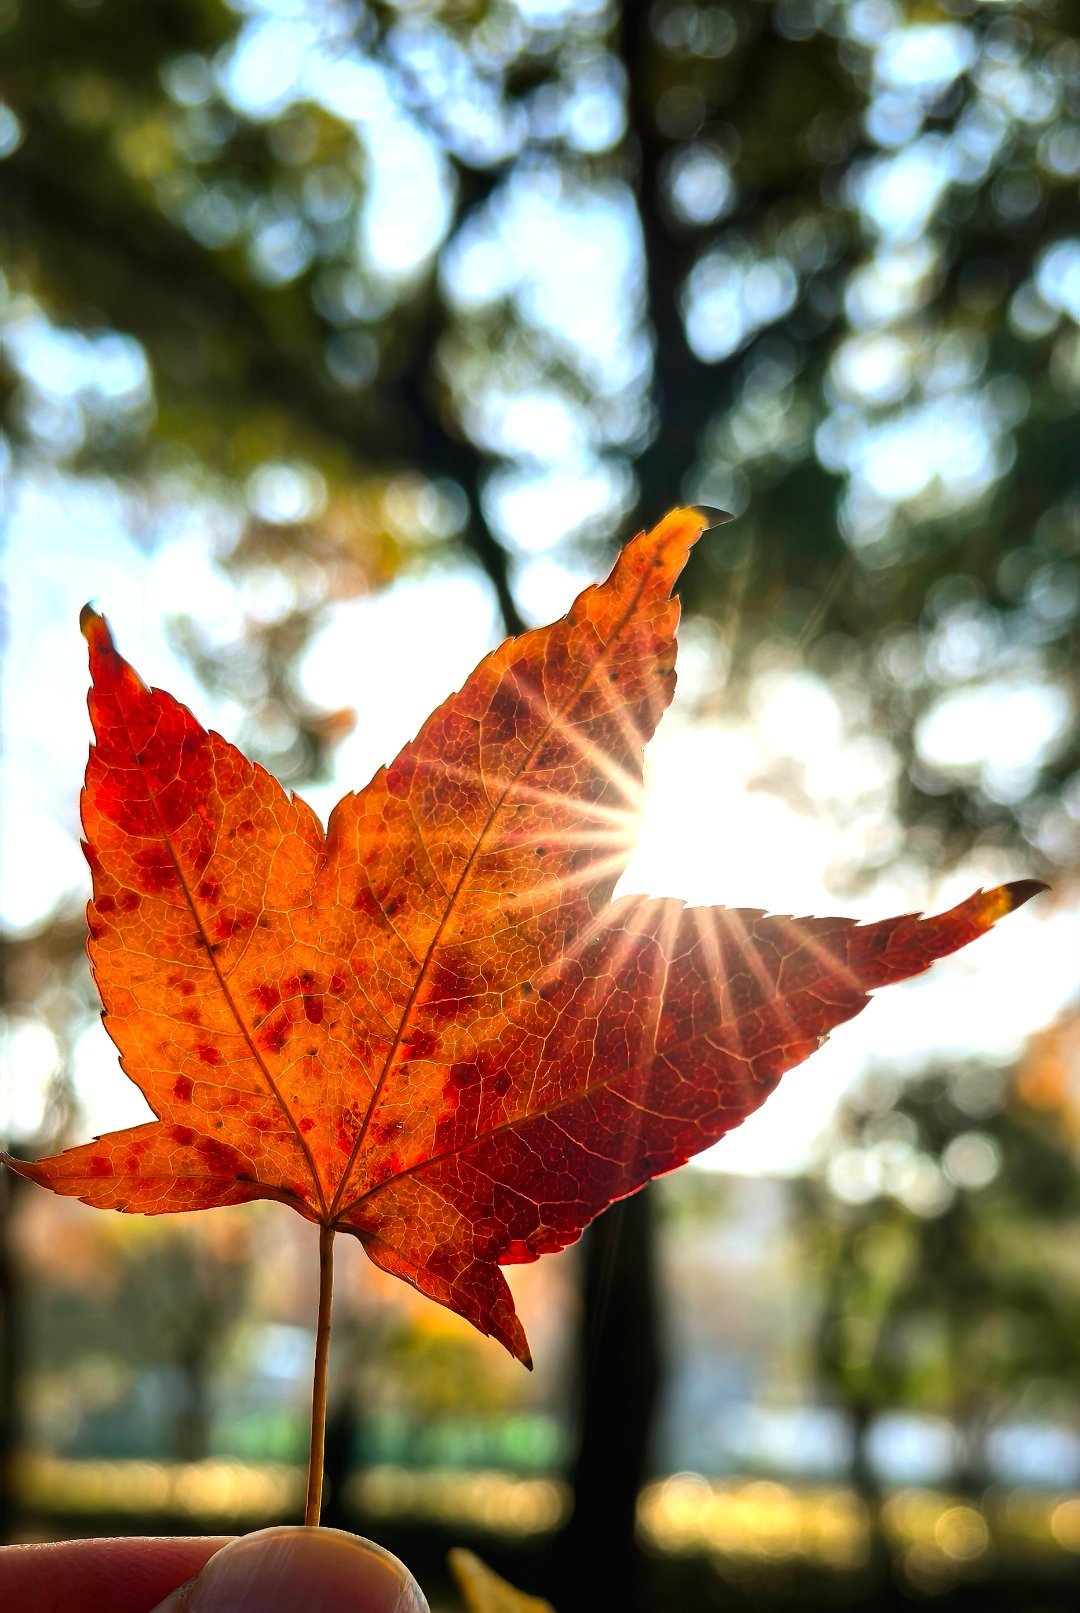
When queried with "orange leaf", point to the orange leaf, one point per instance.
{"points": [[429, 1026]]}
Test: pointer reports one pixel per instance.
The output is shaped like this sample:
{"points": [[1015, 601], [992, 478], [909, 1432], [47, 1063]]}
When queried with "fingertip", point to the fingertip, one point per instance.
{"points": [[283, 1569], [118, 1575]]}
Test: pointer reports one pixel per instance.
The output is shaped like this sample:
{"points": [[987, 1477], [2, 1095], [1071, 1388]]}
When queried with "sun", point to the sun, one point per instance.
{"points": [[710, 834]]}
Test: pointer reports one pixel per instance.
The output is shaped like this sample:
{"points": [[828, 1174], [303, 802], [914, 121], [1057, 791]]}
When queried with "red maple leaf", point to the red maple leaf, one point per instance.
{"points": [[429, 1026]]}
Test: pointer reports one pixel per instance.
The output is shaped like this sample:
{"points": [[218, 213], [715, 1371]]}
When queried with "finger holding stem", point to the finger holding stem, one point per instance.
{"points": [[318, 1391]]}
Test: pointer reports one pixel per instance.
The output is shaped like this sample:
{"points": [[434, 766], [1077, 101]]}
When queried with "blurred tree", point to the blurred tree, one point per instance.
{"points": [[371, 281], [180, 1298], [37, 974], [150, 1317], [394, 272], [597, 1561], [942, 1229]]}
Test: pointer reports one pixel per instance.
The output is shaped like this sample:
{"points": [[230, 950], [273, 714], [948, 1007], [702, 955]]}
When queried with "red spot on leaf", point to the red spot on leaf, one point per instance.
{"points": [[226, 925], [458, 1077], [156, 869], [347, 1131], [451, 985], [274, 1034], [516, 1253], [216, 1154], [383, 1131]]}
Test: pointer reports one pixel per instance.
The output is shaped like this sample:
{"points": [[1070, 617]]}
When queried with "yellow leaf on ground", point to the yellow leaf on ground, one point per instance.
{"points": [[486, 1592]]}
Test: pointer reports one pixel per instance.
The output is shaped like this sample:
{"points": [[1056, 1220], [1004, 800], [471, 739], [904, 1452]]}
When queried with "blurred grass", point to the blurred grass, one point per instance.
{"points": [[685, 1514]]}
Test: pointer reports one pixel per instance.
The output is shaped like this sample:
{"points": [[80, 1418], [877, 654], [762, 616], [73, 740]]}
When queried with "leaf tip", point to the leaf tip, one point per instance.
{"points": [[21, 1167], [512, 1336], [1018, 892], [95, 629], [712, 516]]}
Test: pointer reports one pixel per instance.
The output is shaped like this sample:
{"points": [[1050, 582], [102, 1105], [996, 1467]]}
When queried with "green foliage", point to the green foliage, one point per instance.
{"points": [[943, 1230]]}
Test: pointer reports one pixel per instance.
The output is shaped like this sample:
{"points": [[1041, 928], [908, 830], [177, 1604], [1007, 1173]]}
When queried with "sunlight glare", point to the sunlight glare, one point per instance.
{"points": [[710, 837]]}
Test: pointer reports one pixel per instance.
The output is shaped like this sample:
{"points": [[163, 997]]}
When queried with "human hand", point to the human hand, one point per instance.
{"points": [[282, 1570]]}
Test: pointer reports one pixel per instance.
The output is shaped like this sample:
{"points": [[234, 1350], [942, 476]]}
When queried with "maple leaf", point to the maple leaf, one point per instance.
{"points": [[430, 1026]]}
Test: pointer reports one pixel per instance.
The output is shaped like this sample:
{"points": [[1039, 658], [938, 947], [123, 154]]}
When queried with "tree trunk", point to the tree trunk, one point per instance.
{"points": [[598, 1562]]}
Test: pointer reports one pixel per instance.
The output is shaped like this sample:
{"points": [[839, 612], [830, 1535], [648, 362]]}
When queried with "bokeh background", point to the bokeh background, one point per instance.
{"points": [[342, 337]]}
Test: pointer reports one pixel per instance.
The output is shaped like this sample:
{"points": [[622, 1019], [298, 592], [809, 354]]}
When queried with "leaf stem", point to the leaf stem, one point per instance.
{"points": [[318, 1389]]}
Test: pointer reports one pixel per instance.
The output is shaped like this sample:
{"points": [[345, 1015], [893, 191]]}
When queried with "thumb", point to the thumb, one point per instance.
{"points": [[285, 1569]]}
